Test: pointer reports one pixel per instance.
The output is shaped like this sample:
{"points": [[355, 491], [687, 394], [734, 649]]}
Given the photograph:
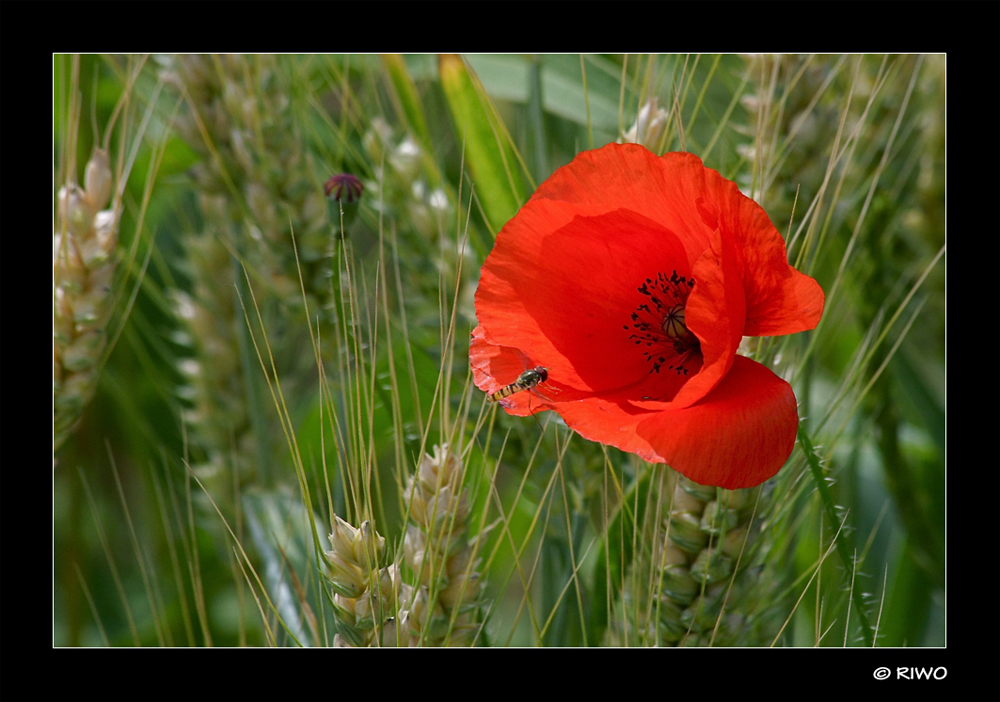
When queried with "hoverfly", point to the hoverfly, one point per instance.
{"points": [[526, 381]]}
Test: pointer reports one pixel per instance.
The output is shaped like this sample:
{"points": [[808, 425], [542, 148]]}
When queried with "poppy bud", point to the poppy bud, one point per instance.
{"points": [[342, 189]]}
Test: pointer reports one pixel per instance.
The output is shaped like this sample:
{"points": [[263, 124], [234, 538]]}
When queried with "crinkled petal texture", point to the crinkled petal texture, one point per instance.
{"points": [[632, 279]]}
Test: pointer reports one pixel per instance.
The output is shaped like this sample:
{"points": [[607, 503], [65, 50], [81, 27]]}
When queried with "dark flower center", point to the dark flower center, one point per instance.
{"points": [[658, 324]]}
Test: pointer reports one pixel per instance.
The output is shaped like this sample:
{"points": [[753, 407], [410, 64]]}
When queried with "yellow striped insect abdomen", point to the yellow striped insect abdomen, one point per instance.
{"points": [[527, 380]]}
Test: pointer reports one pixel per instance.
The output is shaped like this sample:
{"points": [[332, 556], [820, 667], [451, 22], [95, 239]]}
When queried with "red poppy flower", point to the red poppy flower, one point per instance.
{"points": [[632, 279]]}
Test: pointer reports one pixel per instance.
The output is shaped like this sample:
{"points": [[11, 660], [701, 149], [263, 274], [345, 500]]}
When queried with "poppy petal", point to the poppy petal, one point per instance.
{"points": [[491, 362], [612, 421], [738, 436], [792, 305], [715, 314], [568, 308], [779, 299], [664, 189]]}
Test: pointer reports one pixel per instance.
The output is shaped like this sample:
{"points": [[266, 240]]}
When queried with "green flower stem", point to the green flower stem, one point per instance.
{"points": [[831, 513]]}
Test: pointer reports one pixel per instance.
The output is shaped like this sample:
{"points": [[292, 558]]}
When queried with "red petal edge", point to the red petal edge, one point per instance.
{"points": [[738, 436]]}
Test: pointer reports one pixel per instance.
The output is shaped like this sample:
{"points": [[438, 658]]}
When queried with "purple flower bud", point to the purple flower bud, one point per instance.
{"points": [[344, 187]]}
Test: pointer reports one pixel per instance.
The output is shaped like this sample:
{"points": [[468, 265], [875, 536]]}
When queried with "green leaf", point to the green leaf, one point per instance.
{"points": [[489, 152], [562, 85], [408, 104], [908, 602]]}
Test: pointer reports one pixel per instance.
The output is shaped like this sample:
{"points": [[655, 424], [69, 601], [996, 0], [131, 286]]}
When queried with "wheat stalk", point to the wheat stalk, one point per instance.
{"points": [[84, 265], [442, 607]]}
